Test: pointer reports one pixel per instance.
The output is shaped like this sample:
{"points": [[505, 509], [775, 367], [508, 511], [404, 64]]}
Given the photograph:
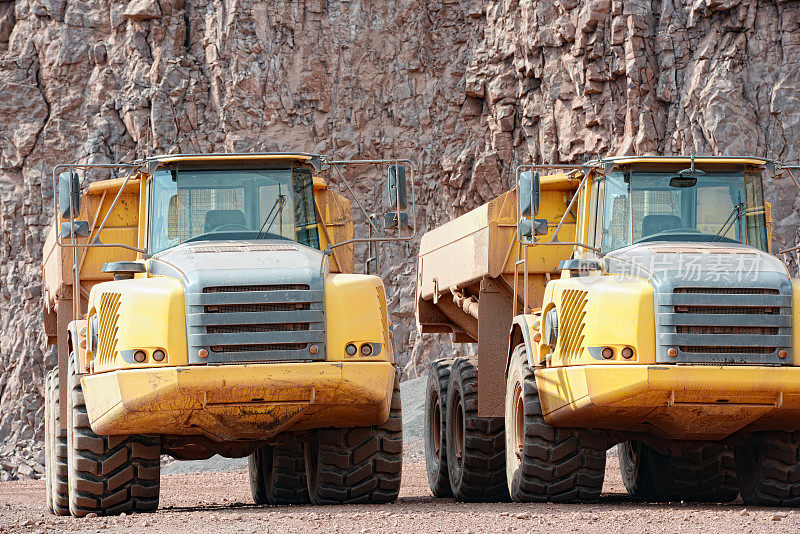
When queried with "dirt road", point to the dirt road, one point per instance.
{"points": [[220, 503]]}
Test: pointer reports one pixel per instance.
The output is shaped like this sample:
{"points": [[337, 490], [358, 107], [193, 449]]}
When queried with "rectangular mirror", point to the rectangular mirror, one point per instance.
{"points": [[528, 193], [396, 187], [69, 194]]}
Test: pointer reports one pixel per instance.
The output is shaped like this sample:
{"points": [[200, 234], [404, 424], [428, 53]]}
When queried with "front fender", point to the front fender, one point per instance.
{"points": [[523, 330], [355, 312], [139, 314]]}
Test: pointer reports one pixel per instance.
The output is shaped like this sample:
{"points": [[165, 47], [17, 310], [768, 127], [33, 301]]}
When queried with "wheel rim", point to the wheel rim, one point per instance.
{"points": [[458, 430], [519, 423], [435, 424]]}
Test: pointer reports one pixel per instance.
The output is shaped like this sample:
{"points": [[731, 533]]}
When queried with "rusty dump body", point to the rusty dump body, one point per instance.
{"points": [[707, 355]]}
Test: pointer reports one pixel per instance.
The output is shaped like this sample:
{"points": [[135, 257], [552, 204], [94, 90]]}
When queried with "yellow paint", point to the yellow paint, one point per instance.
{"points": [[355, 312], [151, 316], [678, 401], [618, 312], [248, 401]]}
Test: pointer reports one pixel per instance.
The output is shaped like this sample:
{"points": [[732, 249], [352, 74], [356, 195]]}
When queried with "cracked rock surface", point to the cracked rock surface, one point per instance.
{"points": [[468, 90]]}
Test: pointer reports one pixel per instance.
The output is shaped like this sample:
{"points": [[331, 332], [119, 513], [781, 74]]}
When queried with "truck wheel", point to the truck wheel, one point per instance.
{"points": [[107, 474], [48, 446], [55, 449], [435, 428], [767, 468], [357, 465], [634, 465], [277, 474], [703, 473], [475, 445], [544, 463]]}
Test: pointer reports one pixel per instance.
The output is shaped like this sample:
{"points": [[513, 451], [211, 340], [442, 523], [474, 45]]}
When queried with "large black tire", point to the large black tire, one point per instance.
{"points": [[634, 464], [108, 474], [357, 465], [277, 474], [704, 472], [436, 429], [475, 445], [547, 464], [55, 449], [768, 468]]}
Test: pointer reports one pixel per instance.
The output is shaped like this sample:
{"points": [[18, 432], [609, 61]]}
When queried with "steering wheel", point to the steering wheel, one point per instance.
{"points": [[235, 226]]}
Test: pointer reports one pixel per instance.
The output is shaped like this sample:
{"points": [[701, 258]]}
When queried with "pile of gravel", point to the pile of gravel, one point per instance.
{"points": [[412, 394]]}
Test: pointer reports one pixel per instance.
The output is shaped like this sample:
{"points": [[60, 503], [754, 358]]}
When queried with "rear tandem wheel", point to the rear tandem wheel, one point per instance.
{"points": [[475, 446], [435, 428]]}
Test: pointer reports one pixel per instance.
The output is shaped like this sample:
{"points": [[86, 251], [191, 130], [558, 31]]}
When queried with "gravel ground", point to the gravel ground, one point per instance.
{"points": [[220, 501]]}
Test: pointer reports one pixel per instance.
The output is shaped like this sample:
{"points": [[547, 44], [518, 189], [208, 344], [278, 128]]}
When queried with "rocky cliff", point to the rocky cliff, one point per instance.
{"points": [[466, 89]]}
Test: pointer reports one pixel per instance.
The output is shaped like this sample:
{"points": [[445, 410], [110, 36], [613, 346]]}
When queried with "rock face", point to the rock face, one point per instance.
{"points": [[466, 89]]}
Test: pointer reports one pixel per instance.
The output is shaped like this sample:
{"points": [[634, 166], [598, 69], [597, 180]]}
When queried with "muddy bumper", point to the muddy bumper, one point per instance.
{"points": [[249, 401], [676, 401]]}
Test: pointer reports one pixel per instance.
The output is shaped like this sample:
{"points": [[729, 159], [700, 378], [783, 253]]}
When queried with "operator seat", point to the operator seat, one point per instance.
{"points": [[654, 224], [216, 218]]}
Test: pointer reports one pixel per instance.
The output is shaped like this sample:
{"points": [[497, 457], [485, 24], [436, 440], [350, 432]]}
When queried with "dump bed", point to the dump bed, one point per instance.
{"points": [[482, 243], [121, 227]]}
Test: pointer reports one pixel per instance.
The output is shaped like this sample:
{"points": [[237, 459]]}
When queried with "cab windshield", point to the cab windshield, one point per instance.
{"points": [[665, 206], [198, 205]]}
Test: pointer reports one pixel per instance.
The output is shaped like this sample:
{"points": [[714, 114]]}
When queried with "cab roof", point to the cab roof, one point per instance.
{"points": [[722, 160], [155, 161]]}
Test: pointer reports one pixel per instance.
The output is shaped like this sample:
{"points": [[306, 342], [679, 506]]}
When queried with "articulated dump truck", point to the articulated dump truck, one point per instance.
{"points": [[628, 301], [207, 304]]}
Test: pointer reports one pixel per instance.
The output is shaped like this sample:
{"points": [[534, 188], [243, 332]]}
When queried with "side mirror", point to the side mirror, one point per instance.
{"points": [[396, 187], [529, 193], [390, 220], [76, 229], [69, 194]]}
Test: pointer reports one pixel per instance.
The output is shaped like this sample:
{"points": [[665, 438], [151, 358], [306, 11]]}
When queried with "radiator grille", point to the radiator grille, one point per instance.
{"points": [[259, 348], [725, 323], [726, 290], [269, 287], [258, 322]]}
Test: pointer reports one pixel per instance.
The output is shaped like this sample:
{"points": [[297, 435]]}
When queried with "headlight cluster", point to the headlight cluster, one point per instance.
{"points": [[366, 349]]}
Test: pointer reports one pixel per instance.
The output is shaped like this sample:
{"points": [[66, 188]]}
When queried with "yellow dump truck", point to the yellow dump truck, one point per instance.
{"points": [[207, 304], [643, 307]]}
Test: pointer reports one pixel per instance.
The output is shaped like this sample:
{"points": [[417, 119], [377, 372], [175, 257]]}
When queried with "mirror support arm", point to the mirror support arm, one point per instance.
{"points": [[554, 239]]}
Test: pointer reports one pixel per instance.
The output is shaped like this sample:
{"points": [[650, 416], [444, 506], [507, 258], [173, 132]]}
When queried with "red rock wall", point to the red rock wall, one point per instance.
{"points": [[467, 89]]}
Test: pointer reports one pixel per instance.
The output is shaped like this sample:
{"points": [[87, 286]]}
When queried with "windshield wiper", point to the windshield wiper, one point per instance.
{"points": [[737, 210], [280, 202]]}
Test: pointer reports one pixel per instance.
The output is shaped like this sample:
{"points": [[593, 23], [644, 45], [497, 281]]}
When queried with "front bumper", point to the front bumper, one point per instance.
{"points": [[701, 402], [248, 401]]}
